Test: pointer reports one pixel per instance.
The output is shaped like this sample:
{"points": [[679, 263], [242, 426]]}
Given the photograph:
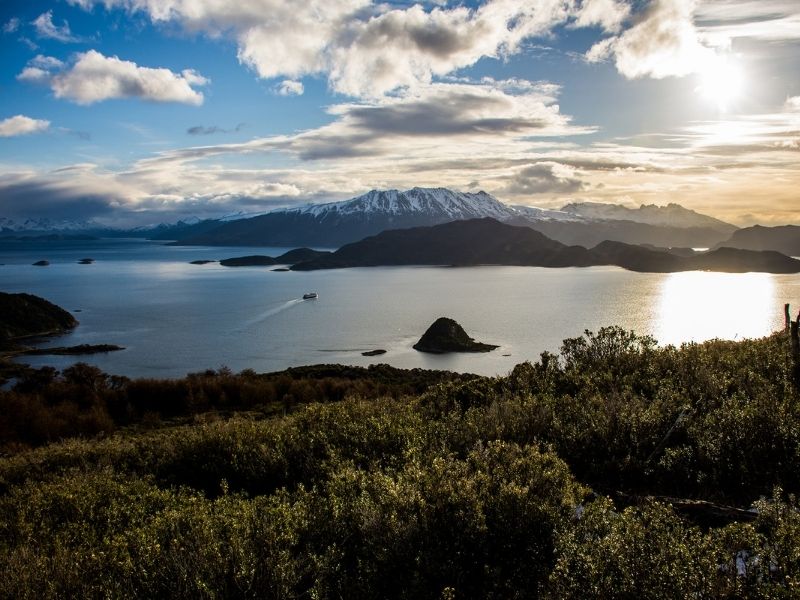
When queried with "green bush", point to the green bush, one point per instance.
{"points": [[331, 482]]}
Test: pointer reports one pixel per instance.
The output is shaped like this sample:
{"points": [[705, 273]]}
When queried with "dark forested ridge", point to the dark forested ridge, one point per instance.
{"points": [[784, 239], [629, 232], [487, 241], [24, 315], [616, 469]]}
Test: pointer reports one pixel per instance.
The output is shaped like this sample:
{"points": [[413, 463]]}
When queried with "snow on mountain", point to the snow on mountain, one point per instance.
{"points": [[533, 213], [671, 215], [237, 216], [434, 202]]}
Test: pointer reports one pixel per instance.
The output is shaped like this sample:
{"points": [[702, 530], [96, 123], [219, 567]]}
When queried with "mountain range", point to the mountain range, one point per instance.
{"points": [[337, 223], [334, 224], [784, 239]]}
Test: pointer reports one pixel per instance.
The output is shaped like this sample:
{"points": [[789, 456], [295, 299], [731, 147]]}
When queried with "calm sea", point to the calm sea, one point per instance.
{"points": [[174, 317]]}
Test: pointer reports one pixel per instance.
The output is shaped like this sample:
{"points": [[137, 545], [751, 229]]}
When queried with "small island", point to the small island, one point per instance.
{"points": [[26, 315], [41, 263], [445, 335], [291, 257], [85, 261], [201, 262], [377, 352], [79, 350]]}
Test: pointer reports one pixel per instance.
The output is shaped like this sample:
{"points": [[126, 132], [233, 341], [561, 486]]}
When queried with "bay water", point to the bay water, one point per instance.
{"points": [[173, 317]]}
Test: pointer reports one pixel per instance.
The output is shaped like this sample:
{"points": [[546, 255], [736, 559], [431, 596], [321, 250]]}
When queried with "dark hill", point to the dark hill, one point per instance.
{"points": [[591, 233], [784, 239], [459, 243], [637, 258], [300, 254], [24, 315], [445, 335], [735, 260], [256, 260], [287, 258], [489, 242], [291, 228]]}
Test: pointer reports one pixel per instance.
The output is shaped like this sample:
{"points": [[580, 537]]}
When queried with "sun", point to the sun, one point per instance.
{"points": [[721, 83]]}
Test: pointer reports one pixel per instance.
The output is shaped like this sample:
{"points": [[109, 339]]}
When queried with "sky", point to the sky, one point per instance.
{"points": [[131, 112]]}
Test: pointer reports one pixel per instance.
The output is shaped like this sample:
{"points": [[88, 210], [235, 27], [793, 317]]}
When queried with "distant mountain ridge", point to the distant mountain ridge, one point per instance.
{"points": [[334, 224], [671, 215], [45, 225], [337, 223], [784, 239]]}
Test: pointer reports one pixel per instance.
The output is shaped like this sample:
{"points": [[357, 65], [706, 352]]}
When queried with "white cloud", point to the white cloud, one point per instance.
{"points": [[94, 78], [664, 42], [608, 14], [40, 69], [35, 75], [793, 104], [368, 49], [22, 125], [470, 119], [11, 25], [287, 87], [45, 62], [45, 28], [768, 20], [411, 46]]}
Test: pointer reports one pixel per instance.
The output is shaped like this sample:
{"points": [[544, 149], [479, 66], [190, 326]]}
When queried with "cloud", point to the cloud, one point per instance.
{"points": [[81, 135], [201, 130], [40, 69], [287, 87], [29, 43], [22, 125], [545, 178], [458, 109], [663, 42], [11, 25], [767, 20], [368, 49], [408, 47], [460, 118], [45, 62], [45, 28], [608, 14], [793, 104], [94, 77], [54, 196]]}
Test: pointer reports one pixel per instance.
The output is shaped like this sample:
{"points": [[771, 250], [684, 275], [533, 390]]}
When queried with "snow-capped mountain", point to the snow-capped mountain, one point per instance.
{"points": [[433, 202], [671, 215], [533, 213], [336, 223]]}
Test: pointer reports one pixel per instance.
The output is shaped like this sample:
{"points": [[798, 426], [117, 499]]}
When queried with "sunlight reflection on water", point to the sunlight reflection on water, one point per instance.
{"points": [[698, 306], [174, 317]]}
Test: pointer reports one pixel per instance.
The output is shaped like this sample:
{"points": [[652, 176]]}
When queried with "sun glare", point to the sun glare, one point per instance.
{"points": [[721, 83], [699, 306]]}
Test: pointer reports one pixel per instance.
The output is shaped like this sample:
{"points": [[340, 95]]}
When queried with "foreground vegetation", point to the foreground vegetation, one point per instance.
{"points": [[560, 480]]}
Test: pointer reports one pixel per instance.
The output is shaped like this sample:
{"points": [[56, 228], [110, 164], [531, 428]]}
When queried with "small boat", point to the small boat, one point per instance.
{"points": [[310, 296]]}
